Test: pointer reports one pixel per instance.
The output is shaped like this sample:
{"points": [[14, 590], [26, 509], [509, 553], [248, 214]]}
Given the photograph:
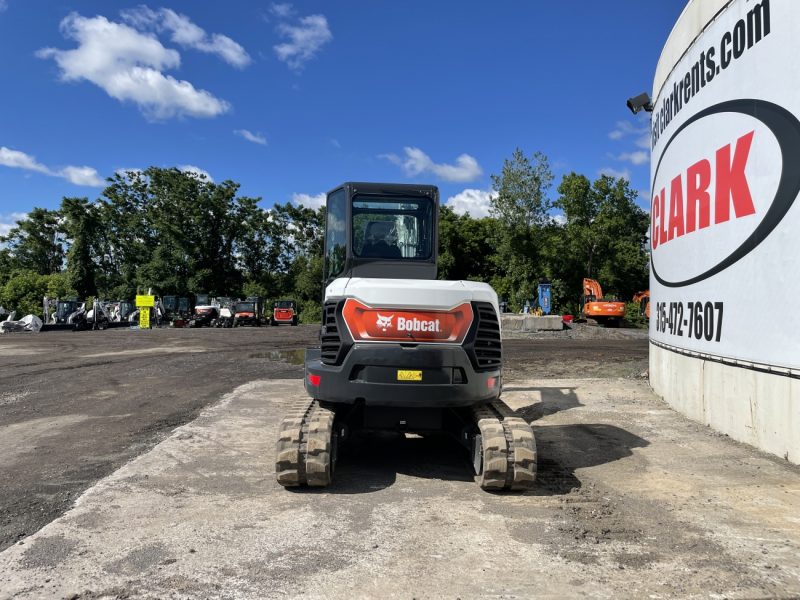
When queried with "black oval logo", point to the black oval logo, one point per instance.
{"points": [[786, 129]]}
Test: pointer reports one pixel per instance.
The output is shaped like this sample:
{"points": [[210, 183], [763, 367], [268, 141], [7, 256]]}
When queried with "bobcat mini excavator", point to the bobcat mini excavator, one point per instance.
{"points": [[401, 350]]}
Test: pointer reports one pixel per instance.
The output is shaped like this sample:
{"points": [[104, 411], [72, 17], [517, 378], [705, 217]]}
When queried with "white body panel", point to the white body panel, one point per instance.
{"points": [[411, 293]]}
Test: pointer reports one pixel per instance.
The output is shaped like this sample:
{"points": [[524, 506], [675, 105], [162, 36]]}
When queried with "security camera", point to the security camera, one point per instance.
{"points": [[642, 101]]}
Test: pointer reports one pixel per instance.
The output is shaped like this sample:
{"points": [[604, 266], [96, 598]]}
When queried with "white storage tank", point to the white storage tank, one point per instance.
{"points": [[725, 237]]}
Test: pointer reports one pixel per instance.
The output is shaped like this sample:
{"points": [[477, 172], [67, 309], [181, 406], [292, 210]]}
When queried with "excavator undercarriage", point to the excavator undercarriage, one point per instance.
{"points": [[502, 446]]}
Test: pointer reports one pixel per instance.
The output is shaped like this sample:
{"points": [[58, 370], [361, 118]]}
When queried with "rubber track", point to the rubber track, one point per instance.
{"points": [[304, 449], [509, 449]]}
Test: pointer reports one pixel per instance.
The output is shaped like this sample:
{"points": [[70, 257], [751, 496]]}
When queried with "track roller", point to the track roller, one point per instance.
{"points": [[306, 448], [506, 458]]}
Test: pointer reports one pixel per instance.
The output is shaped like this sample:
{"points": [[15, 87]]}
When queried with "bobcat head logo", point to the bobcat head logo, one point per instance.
{"points": [[384, 322]]}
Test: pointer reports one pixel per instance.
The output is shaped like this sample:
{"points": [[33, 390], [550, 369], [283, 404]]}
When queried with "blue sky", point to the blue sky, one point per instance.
{"points": [[292, 99]]}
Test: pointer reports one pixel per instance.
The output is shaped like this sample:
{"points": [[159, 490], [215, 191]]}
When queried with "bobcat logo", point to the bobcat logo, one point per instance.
{"points": [[384, 322]]}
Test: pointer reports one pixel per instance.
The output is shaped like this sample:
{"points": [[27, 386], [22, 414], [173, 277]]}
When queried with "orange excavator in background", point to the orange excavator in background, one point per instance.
{"points": [[595, 306], [643, 300]]}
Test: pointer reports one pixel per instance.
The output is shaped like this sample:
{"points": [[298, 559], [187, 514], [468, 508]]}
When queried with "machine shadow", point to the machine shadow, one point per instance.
{"points": [[564, 449], [371, 461], [551, 400]]}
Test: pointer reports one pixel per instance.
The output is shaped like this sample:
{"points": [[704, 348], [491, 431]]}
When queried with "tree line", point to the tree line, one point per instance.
{"points": [[180, 233]]}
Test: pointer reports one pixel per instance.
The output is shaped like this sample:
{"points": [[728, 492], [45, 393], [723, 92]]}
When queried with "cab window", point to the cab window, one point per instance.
{"points": [[335, 235], [392, 228]]}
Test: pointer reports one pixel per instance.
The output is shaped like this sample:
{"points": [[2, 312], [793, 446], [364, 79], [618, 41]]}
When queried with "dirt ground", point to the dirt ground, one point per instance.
{"points": [[633, 500]]}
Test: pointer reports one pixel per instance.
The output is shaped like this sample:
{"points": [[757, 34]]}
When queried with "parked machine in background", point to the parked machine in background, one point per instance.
{"points": [[125, 309], [400, 350], [225, 319], [97, 317], [606, 311], [248, 312], [184, 311], [202, 300], [643, 300], [205, 315], [176, 309], [66, 311], [28, 323], [545, 297], [284, 312], [170, 304]]}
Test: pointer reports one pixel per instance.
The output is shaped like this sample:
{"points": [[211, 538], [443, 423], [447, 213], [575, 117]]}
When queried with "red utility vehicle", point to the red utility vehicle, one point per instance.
{"points": [[284, 312]]}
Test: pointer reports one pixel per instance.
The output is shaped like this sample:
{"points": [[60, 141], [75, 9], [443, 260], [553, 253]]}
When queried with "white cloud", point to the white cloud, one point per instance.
{"points": [[474, 202], [85, 176], [626, 129], [639, 157], [196, 171], [282, 11], [188, 34], [81, 176], [9, 220], [559, 218], [19, 160], [335, 143], [308, 200], [305, 40], [127, 65], [256, 138], [617, 174], [416, 162], [3, 5]]}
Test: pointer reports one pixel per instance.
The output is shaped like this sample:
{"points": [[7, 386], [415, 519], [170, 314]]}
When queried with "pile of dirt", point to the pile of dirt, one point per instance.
{"points": [[582, 331]]}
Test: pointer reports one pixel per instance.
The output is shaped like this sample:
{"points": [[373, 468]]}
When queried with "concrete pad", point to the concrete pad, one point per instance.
{"points": [[634, 501]]}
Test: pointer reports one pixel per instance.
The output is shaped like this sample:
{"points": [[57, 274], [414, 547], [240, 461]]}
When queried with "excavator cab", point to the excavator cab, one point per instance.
{"points": [[400, 350], [381, 231]]}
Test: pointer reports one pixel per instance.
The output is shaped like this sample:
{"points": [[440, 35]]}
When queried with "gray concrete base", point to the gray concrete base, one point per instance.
{"points": [[761, 409], [530, 323]]}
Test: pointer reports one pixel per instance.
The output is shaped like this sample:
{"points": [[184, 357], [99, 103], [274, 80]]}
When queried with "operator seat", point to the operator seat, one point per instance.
{"points": [[376, 244]]}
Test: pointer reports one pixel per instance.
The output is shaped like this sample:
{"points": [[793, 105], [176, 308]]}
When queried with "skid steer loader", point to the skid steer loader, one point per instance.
{"points": [[401, 350]]}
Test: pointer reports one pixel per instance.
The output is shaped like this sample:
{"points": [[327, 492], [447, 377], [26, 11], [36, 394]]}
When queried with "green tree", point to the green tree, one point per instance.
{"points": [[6, 265], [173, 231], [308, 286], [520, 206], [521, 191], [127, 238], [81, 227], [24, 291], [465, 246], [604, 235], [257, 255], [35, 243]]}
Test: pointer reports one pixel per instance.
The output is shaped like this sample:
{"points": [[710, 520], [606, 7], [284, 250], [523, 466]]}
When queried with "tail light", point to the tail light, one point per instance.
{"points": [[368, 324]]}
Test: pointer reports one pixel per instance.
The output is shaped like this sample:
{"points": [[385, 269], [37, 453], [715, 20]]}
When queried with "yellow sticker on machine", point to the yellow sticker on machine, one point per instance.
{"points": [[403, 375], [144, 319]]}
